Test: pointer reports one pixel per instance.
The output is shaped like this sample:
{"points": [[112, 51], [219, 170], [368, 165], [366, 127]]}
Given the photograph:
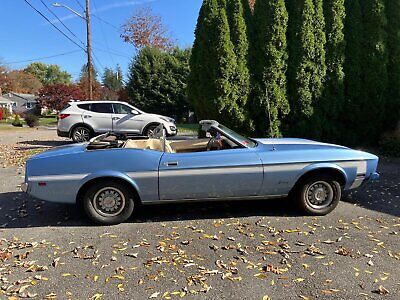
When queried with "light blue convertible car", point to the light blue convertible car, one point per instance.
{"points": [[111, 175]]}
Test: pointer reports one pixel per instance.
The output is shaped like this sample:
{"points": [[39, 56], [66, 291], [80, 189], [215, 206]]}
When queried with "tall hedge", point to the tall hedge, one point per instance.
{"points": [[308, 57], [270, 101], [354, 70], [213, 63], [334, 65], [331, 106], [392, 111], [239, 35], [375, 69]]}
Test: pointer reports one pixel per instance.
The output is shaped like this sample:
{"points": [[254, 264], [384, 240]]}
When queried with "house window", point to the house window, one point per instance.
{"points": [[30, 105]]}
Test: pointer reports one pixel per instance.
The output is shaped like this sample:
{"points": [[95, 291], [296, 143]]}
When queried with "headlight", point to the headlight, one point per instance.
{"points": [[167, 119]]}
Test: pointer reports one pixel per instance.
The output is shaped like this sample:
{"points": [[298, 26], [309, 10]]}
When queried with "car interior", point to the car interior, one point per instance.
{"points": [[214, 141]]}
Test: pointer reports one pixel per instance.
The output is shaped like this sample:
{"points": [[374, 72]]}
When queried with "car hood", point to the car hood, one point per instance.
{"points": [[297, 143], [62, 150], [160, 117]]}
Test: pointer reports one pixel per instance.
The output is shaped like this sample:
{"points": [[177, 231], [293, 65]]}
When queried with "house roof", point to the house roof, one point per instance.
{"points": [[20, 96], [5, 101]]}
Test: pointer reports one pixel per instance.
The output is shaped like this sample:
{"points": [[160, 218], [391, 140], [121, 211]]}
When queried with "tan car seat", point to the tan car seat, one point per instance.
{"points": [[151, 144]]}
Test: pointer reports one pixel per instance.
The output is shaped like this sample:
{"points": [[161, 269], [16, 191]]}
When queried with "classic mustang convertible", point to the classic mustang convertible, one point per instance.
{"points": [[111, 175]]}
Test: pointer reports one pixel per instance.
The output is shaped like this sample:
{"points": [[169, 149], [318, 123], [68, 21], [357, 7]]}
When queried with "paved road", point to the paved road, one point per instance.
{"points": [[220, 250]]}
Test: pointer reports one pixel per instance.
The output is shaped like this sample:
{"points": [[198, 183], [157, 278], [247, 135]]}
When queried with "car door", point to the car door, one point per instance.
{"points": [[126, 121], [210, 174], [99, 117]]}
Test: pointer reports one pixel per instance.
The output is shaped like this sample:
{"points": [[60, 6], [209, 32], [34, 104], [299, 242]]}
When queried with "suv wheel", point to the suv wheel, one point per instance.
{"points": [[150, 130], [81, 134]]}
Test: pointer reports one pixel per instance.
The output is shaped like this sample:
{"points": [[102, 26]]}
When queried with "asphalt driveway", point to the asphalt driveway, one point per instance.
{"points": [[236, 250]]}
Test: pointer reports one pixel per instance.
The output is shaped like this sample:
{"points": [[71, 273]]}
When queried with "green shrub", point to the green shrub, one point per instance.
{"points": [[17, 122], [390, 146], [32, 120]]}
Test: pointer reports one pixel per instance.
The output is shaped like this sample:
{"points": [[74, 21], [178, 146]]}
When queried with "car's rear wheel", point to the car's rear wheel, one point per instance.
{"points": [[318, 194], [81, 134], [109, 203]]}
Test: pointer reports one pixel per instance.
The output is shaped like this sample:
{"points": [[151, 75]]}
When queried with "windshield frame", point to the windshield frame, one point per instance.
{"points": [[236, 137]]}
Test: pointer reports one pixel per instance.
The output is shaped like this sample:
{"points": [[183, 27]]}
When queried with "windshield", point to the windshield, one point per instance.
{"points": [[241, 139]]}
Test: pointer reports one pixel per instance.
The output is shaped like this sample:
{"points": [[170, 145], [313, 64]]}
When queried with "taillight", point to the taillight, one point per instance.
{"points": [[63, 116]]}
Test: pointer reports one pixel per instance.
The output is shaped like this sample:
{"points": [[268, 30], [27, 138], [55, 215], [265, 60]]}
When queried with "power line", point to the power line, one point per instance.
{"points": [[106, 22], [62, 23], [104, 37], [41, 58], [113, 52], [58, 29], [79, 3]]}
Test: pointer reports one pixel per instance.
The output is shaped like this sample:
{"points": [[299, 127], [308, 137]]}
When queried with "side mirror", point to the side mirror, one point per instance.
{"points": [[134, 112]]}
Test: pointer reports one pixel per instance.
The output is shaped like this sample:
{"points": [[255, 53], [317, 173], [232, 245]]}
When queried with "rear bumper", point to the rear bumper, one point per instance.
{"points": [[62, 133], [25, 187]]}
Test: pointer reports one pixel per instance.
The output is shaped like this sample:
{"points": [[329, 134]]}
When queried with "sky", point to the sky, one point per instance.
{"points": [[25, 35]]}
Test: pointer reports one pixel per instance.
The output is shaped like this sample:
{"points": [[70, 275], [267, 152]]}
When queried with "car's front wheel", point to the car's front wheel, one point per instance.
{"points": [[318, 195], [151, 130], [81, 134], [109, 203]]}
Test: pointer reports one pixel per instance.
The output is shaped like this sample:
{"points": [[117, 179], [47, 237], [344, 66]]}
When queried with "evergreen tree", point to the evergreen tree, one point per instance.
{"points": [[392, 107], [354, 88], [213, 67], [239, 38], [113, 80], [330, 108], [309, 69], [375, 68], [270, 101], [157, 81]]}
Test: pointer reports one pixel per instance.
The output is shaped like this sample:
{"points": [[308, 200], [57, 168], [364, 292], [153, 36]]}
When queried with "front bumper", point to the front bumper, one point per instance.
{"points": [[172, 130], [374, 177]]}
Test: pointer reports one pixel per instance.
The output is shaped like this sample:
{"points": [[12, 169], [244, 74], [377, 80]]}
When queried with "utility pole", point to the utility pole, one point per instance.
{"points": [[88, 44], [89, 50]]}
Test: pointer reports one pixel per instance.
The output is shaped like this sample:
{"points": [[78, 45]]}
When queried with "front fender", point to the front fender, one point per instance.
{"points": [[319, 166]]}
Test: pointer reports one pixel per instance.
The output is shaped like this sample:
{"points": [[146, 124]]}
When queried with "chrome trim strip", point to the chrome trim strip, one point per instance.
{"points": [[58, 177], [216, 199], [211, 170], [145, 174]]}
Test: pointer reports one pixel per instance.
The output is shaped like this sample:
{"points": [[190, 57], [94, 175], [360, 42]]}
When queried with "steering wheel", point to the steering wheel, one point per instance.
{"points": [[212, 143]]}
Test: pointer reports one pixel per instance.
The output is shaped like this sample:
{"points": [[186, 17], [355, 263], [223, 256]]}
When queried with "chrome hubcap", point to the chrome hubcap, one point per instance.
{"points": [[81, 135], [320, 194], [109, 202]]}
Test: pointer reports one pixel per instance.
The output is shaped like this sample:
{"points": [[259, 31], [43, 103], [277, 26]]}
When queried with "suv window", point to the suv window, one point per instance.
{"points": [[105, 108], [122, 109], [84, 106]]}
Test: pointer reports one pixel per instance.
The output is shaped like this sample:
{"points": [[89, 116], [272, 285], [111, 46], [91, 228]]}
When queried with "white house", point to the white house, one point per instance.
{"points": [[7, 104]]}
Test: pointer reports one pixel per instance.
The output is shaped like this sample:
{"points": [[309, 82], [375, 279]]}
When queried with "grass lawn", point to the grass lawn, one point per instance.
{"points": [[48, 121], [188, 128], [43, 121]]}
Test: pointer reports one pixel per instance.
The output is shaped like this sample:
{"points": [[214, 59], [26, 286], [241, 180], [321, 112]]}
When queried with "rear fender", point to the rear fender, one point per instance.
{"points": [[114, 174]]}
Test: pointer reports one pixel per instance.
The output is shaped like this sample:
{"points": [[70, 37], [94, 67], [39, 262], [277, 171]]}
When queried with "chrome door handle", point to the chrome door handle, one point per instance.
{"points": [[171, 164], [87, 117], [116, 118]]}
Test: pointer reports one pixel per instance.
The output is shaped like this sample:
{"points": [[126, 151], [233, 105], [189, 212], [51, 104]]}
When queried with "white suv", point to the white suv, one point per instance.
{"points": [[81, 120]]}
